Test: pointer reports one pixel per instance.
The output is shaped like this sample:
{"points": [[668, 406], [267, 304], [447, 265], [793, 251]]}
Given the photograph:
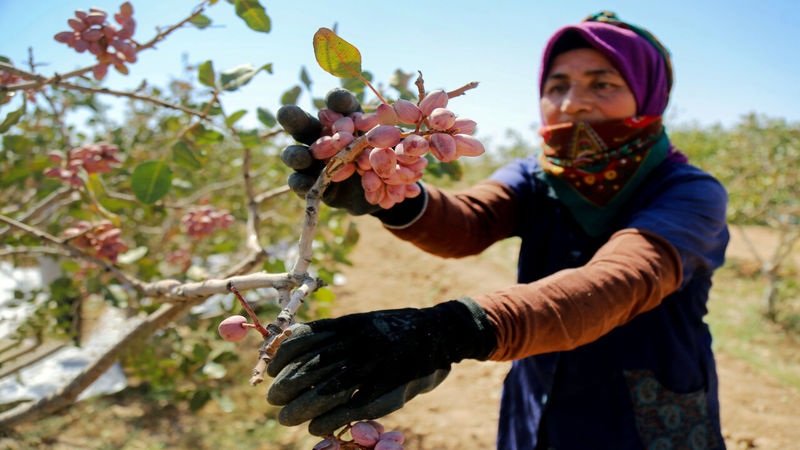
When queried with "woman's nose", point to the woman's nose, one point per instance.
{"points": [[575, 101]]}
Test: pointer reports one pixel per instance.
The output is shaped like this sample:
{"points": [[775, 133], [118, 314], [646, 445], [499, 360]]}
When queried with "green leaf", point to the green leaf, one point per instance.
{"points": [[205, 74], [250, 139], [290, 97], [12, 118], [305, 78], [205, 135], [151, 181], [95, 185], [13, 175], [319, 103], [356, 85], [199, 399], [233, 118], [185, 157], [200, 21], [240, 75], [399, 80], [213, 110], [253, 14], [324, 295], [97, 191], [266, 117], [5, 60], [335, 55]]}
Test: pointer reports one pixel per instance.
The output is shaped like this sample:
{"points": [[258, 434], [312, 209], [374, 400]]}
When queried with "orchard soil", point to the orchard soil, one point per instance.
{"points": [[462, 413], [758, 410]]}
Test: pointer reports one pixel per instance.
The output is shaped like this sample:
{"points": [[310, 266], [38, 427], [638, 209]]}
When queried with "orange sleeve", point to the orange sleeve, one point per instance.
{"points": [[629, 275], [462, 224]]}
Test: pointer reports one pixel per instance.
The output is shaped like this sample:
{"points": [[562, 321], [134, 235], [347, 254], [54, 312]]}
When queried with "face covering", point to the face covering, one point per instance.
{"points": [[595, 166]]}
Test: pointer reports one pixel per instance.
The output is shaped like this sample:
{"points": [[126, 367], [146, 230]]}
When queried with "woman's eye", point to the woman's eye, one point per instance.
{"points": [[556, 89], [603, 86]]}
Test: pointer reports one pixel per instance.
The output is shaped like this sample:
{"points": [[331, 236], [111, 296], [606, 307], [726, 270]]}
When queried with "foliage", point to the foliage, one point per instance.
{"points": [[757, 161], [170, 160]]}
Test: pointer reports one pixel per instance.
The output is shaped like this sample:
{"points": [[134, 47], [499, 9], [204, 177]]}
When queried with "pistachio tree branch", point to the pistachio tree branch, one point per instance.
{"points": [[270, 194], [314, 196], [462, 90], [32, 251], [45, 205], [253, 217], [39, 80], [58, 113], [57, 82], [132, 95], [73, 251], [196, 293], [162, 34]]}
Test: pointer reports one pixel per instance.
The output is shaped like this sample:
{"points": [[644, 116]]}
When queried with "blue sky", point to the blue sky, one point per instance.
{"points": [[730, 57]]}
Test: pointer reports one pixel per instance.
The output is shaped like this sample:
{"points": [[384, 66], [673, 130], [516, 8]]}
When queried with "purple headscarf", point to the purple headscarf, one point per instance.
{"points": [[641, 60]]}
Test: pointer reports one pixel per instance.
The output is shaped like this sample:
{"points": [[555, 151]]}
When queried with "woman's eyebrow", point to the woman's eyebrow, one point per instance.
{"points": [[590, 73], [601, 72], [558, 76]]}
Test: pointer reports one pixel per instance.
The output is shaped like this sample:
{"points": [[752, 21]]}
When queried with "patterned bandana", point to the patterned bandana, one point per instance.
{"points": [[595, 166]]}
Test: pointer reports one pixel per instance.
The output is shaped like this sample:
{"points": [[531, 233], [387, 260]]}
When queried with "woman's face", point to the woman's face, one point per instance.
{"points": [[584, 85]]}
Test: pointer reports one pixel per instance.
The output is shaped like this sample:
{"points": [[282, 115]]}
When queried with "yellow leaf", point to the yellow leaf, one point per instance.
{"points": [[335, 55]]}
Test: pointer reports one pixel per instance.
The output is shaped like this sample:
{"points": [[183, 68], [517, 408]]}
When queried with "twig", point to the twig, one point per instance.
{"points": [[163, 34], [43, 206], [156, 320], [266, 353], [133, 199], [40, 80], [73, 251], [463, 89], [17, 205], [205, 190], [278, 328], [271, 134], [270, 194], [253, 218], [59, 116], [57, 82], [420, 83], [750, 246], [132, 95], [174, 291], [313, 197], [32, 250]]}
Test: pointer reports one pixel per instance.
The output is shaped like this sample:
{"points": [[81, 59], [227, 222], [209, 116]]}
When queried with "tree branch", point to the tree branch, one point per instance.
{"points": [[270, 194], [463, 89], [40, 80], [313, 197], [32, 250], [74, 251], [164, 315], [42, 207]]}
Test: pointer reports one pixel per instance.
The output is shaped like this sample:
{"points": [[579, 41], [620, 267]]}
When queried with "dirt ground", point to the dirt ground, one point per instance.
{"points": [[757, 411]]}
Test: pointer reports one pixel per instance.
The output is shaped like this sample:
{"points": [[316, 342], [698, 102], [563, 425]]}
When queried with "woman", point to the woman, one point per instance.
{"points": [[620, 237]]}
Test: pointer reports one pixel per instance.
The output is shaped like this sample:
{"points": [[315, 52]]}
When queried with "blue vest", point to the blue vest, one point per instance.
{"points": [[650, 383]]}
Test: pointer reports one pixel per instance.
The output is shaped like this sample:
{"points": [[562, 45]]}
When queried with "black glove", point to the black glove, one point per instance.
{"points": [[364, 366], [347, 194], [306, 129]]}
